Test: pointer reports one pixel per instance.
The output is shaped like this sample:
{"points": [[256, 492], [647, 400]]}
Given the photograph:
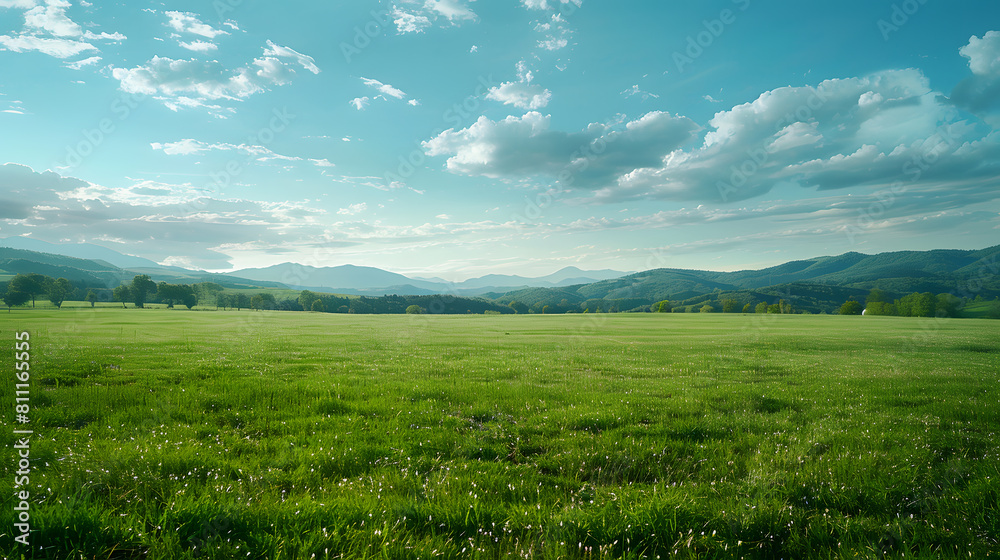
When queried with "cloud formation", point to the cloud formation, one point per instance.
{"points": [[415, 16], [192, 83], [890, 126], [522, 94], [49, 30]]}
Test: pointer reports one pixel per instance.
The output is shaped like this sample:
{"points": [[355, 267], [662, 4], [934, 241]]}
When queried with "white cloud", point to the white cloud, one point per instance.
{"points": [[980, 93], [199, 46], [522, 94], [353, 209], [191, 83], [52, 19], [525, 147], [22, 4], [85, 62], [452, 9], [360, 103], [104, 36], [416, 16], [409, 23], [384, 88], [634, 90], [816, 137], [553, 43], [48, 30], [185, 22], [983, 54], [58, 48], [549, 4]]}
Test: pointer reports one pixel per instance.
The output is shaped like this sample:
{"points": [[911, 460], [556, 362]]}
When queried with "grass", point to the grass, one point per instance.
{"points": [[165, 434]]}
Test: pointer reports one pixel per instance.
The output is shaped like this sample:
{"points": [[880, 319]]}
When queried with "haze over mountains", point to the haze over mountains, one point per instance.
{"points": [[816, 284]]}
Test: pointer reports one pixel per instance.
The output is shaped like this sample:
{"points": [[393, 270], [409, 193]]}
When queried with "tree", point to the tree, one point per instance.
{"points": [[141, 286], [190, 300], [57, 290], [242, 300], [316, 305], [761, 307], [262, 301], [662, 306], [729, 305], [414, 310], [307, 299], [947, 305], [851, 307], [785, 307], [518, 307], [91, 297], [31, 284], [876, 296], [774, 308], [121, 293], [747, 308], [14, 298], [707, 309]]}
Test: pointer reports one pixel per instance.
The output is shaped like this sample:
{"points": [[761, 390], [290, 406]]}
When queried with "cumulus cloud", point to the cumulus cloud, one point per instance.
{"points": [[549, 4], [522, 94], [842, 133], [49, 30], [360, 103], [385, 91], [191, 83], [409, 23], [525, 147], [199, 46], [353, 209], [154, 219], [980, 93], [185, 22], [415, 16]]}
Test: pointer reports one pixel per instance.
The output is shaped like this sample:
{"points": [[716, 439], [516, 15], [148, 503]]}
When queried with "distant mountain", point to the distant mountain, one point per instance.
{"points": [[79, 250], [818, 283], [363, 280], [344, 277]]}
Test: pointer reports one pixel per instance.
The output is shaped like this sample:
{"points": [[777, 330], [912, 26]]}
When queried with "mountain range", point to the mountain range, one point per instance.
{"points": [[817, 284]]}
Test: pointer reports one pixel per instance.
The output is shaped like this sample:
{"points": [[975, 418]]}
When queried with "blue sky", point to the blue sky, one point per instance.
{"points": [[456, 138]]}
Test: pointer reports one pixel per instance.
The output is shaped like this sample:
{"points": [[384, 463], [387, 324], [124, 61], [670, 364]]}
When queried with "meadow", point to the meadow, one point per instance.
{"points": [[222, 434]]}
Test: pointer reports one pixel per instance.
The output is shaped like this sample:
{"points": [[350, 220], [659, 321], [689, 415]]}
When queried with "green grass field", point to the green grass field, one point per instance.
{"points": [[179, 434]]}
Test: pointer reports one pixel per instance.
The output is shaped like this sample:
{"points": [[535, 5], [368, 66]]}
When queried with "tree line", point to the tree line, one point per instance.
{"points": [[915, 304]]}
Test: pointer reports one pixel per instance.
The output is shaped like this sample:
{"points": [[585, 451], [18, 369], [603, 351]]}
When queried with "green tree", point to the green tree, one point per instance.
{"points": [[851, 307], [774, 308], [707, 309], [662, 306], [91, 298], [14, 298], [761, 307], [545, 309], [729, 305], [141, 286], [876, 296], [786, 308], [32, 284], [121, 293], [262, 301], [317, 305], [242, 300], [747, 309], [306, 300], [190, 299], [415, 310], [518, 307], [57, 291], [947, 305]]}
